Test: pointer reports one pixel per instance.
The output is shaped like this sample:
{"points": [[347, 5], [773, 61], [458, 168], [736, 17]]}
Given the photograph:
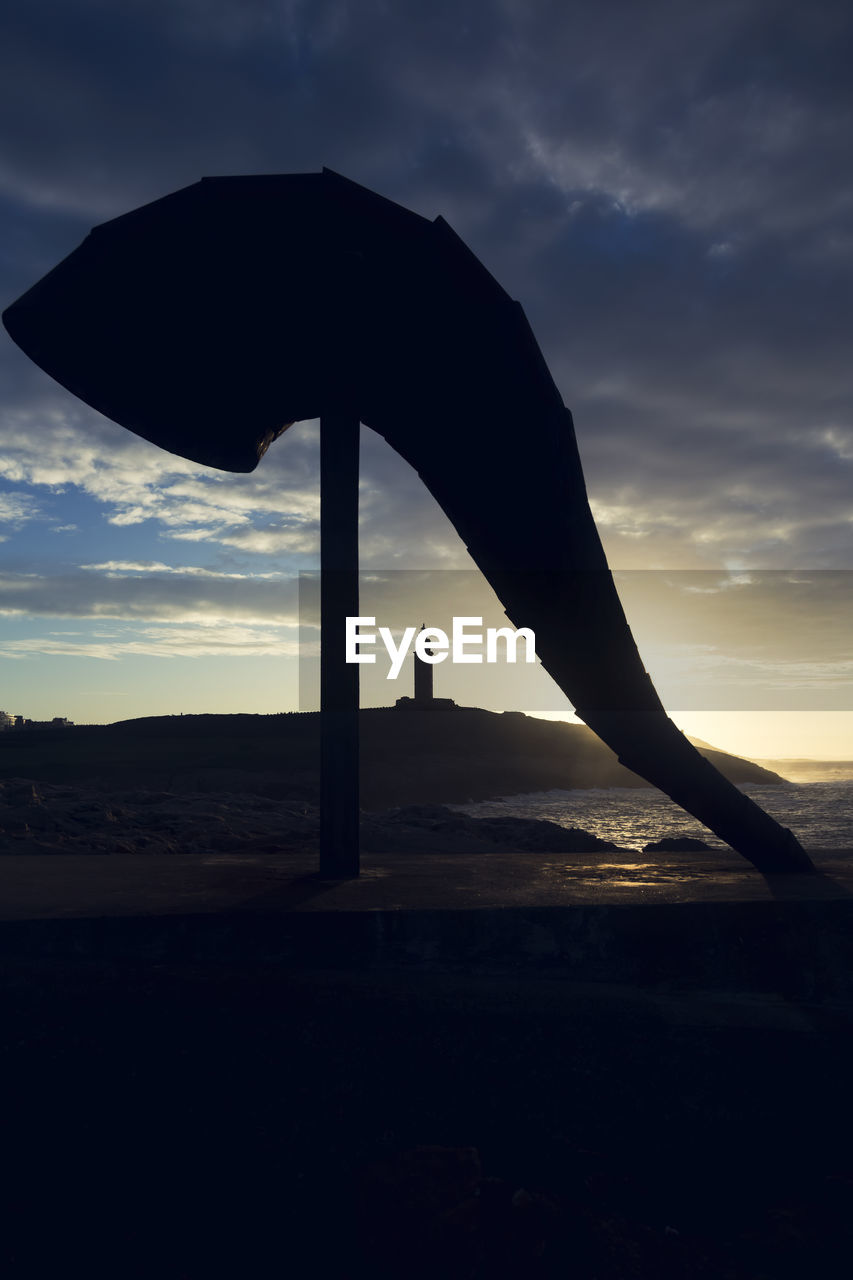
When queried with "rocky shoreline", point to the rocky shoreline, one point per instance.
{"points": [[43, 817], [250, 784]]}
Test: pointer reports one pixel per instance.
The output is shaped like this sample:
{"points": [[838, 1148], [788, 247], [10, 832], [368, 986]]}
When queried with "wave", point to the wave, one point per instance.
{"points": [[819, 813]]}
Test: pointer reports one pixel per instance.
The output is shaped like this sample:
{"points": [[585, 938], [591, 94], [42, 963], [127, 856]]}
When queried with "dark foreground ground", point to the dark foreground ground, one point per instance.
{"points": [[186, 1096]]}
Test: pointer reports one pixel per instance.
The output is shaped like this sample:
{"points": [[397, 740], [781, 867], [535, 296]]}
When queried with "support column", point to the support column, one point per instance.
{"points": [[339, 790]]}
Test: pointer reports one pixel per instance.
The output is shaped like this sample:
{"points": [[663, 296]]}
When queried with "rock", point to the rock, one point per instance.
{"points": [[19, 792], [47, 817], [676, 844], [52, 818], [435, 828], [416, 1211], [429, 1212]]}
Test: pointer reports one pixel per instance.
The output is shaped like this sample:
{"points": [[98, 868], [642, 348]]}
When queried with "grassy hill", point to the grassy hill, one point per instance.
{"points": [[409, 756]]}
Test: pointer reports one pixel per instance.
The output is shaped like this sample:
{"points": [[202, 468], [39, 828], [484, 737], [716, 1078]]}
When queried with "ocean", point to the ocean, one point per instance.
{"points": [[820, 813]]}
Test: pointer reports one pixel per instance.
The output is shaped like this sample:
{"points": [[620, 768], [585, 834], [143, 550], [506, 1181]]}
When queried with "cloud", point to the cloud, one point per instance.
{"points": [[199, 641], [744, 640], [17, 509], [272, 541], [775, 616], [663, 186], [174, 597], [736, 112], [55, 444], [123, 568]]}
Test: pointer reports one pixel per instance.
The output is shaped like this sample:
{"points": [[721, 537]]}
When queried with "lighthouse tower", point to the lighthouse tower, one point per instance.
{"points": [[424, 697], [423, 678]]}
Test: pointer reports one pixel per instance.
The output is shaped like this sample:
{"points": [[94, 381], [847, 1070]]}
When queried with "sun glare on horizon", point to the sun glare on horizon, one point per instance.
{"points": [[761, 735]]}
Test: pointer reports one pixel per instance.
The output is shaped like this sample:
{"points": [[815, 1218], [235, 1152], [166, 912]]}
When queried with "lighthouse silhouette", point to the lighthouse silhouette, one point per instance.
{"points": [[423, 677], [423, 690]]}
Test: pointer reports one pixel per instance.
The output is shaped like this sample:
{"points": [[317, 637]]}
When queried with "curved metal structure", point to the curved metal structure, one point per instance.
{"points": [[211, 319]]}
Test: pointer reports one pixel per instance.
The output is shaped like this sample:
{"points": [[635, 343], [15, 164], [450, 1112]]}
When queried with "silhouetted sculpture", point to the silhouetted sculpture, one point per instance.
{"points": [[210, 320]]}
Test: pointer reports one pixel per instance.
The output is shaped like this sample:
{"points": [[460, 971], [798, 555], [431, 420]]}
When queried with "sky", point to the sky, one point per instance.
{"points": [[666, 188]]}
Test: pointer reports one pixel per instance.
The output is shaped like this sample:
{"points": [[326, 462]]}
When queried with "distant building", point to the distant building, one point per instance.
{"points": [[423, 677], [21, 722], [424, 695], [6, 721]]}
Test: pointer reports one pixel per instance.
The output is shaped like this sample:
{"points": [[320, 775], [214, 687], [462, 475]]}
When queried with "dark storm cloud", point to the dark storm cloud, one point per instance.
{"points": [[736, 108], [665, 187]]}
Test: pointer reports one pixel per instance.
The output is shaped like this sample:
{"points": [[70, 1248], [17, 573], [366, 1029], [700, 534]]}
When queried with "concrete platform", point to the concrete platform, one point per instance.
{"points": [[54, 886], [205, 1054], [700, 919]]}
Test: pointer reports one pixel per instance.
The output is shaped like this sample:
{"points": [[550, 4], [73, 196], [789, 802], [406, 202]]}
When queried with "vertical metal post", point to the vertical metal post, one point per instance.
{"points": [[339, 791]]}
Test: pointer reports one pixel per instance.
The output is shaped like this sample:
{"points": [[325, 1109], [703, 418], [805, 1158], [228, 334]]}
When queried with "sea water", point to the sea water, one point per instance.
{"points": [[820, 814]]}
